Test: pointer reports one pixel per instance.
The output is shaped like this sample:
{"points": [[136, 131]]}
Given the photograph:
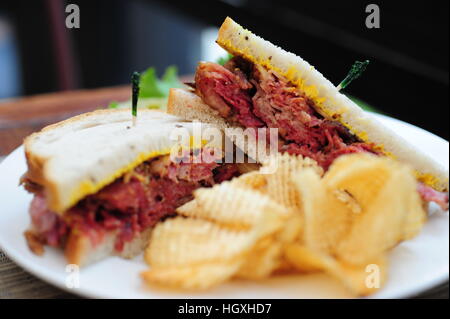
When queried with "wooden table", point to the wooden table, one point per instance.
{"points": [[21, 117]]}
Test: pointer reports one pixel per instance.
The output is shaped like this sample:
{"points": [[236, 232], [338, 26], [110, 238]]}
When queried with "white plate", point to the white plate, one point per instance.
{"points": [[415, 265]]}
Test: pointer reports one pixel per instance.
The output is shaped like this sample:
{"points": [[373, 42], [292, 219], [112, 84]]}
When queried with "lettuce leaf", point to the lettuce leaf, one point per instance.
{"points": [[152, 87], [224, 59], [113, 105], [153, 92]]}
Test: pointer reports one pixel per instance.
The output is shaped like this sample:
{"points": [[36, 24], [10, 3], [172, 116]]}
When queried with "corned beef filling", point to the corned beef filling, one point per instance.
{"points": [[249, 95], [430, 195], [131, 204]]}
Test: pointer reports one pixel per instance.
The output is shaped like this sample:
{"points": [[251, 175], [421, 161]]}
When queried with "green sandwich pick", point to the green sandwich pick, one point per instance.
{"points": [[135, 77], [355, 72]]}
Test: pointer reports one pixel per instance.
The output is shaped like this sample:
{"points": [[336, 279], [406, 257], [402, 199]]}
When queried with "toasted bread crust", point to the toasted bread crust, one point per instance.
{"points": [[77, 248], [187, 105], [80, 250]]}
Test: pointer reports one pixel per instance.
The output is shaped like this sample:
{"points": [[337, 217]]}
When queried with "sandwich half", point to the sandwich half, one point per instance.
{"points": [[100, 184], [263, 86]]}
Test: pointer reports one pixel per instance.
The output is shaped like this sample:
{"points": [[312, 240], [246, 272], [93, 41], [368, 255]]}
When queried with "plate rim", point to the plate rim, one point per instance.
{"points": [[36, 269]]}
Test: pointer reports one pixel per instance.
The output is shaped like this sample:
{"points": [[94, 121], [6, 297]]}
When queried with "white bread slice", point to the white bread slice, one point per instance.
{"points": [[329, 101], [189, 106], [79, 156]]}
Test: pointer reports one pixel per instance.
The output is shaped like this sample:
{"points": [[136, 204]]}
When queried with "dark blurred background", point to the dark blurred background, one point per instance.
{"points": [[408, 77]]}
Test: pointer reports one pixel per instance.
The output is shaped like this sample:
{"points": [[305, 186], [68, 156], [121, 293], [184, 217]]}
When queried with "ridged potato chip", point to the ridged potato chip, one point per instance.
{"points": [[361, 280], [279, 183], [385, 222], [351, 218], [349, 201], [293, 219], [361, 175], [195, 254], [184, 241], [293, 228], [203, 250], [284, 266], [253, 180], [196, 277], [302, 258], [263, 260], [327, 220], [239, 208], [416, 218], [346, 162], [188, 209]]}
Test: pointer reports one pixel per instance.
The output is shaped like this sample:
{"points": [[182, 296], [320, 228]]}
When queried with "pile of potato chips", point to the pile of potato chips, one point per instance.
{"points": [[293, 219]]}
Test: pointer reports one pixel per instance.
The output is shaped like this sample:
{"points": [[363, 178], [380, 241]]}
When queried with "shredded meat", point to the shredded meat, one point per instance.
{"points": [[252, 96], [131, 204], [249, 95], [227, 93], [29, 185], [225, 172], [430, 195], [47, 226]]}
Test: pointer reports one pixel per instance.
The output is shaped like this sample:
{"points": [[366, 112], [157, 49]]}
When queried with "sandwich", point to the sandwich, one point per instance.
{"points": [[263, 86], [100, 183]]}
